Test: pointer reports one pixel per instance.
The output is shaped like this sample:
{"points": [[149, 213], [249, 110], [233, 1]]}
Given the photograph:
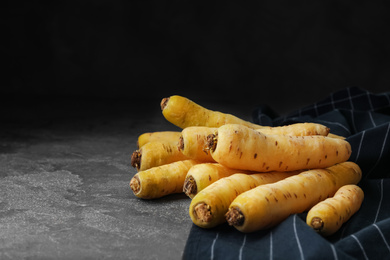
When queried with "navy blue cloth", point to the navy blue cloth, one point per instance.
{"points": [[364, 119]]}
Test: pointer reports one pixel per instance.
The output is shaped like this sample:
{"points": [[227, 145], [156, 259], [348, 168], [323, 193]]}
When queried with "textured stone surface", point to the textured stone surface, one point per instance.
{"points": [[64, 193]]}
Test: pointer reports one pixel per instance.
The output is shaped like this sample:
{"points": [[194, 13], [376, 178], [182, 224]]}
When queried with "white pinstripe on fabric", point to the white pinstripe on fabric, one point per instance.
{"points": [[350, 98], [296, 237], [335, 123], [360, 146], [380, 202], [212, 246], [383, 237], [334, 252], [382, 149], [361, 246], [334, 102], [353, 122], [369, 101], [241, 248], [372, 119]]}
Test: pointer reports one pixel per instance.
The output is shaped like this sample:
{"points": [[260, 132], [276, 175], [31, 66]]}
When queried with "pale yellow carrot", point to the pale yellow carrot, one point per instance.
{"points": [[209, 206], [202, 175], [160, 136], [267, 205], [160, 181], [193, 141], [297, 129], [329, 215], [184, 112], [156, 153], [240, 147]]}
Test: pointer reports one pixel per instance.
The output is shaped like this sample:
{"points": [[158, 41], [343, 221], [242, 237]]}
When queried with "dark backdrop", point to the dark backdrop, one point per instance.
{"points": [[282, 53]]}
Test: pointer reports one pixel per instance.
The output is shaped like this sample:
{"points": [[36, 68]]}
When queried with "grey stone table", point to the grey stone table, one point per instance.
{"points": [[64, 184]]}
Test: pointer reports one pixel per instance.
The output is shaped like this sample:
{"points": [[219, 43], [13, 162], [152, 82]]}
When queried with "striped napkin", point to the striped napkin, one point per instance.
{"points": [[364, 119]]}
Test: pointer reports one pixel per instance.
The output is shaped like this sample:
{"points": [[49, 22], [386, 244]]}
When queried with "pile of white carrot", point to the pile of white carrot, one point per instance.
{"points": [[250, 176]]}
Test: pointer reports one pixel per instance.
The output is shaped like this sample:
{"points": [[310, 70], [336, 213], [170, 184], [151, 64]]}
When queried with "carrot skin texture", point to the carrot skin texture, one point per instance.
{"points": [[298, 129], [155, 154], [205, 174], [160, 181], [217, 196], [240, 147], [193, 141], [267, 205], [184, 112], [161, 136], [327, 216]]}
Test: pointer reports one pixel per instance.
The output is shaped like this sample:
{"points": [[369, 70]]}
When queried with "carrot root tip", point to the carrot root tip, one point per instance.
{"points": [[164, 103], [317, 224], [136, 159], [135, 184], [189, 187], [234, 217], [203, 212], [180, 145], [211, 143]]}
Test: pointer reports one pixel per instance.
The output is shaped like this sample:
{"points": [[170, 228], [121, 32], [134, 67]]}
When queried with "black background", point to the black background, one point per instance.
{"points": [[282, 53], [83, 79]]}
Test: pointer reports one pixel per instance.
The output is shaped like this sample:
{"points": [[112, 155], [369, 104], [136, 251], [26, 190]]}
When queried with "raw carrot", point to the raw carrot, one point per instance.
{"points": [[240, 147], [297, 129], [193, 141], [328, 216], [183, 113], [160, 181], [156, 153], [202, 175], [335, 136], [158, 136], [209, 206], [267, 205]]}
